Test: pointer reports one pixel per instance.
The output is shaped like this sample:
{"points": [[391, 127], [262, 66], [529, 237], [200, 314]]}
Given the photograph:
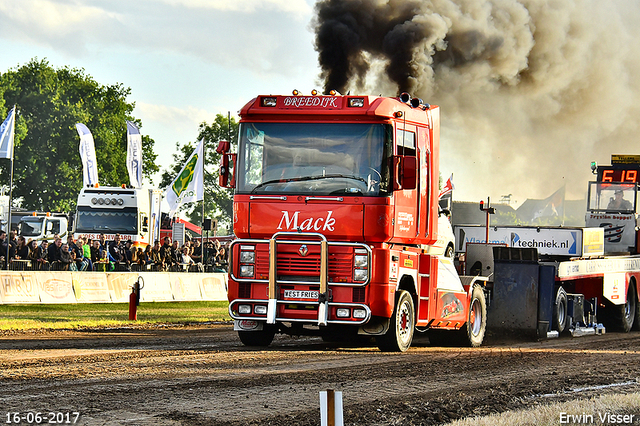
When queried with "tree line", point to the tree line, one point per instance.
{"points": [[47, 170]]}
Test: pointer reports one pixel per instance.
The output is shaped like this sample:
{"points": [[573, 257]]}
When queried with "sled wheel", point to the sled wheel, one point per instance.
{"points": [[560, 311], [400, 334], [625, 314], [636, 321]]}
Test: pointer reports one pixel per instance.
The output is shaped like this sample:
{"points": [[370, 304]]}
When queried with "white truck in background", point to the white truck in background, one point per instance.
{"points": [[43, 226], [134, 213]]}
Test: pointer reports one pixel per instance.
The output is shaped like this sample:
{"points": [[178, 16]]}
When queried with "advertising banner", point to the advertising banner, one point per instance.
{"points": [[18, 288]]}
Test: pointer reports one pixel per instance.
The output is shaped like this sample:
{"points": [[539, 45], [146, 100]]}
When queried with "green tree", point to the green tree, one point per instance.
{"points": [[218, 202], [47, 165]]}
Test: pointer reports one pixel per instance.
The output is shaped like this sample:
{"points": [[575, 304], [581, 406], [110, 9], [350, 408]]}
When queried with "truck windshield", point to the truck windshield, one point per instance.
{"points": [[123, 221], [30, 228], [612, 197], [318, 158]]}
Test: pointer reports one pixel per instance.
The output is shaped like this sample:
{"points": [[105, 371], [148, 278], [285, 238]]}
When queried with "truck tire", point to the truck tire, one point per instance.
{"points": [[559, 320], [636, 321], [624, 315], [449, 252], [400, 334], [472, 334], [258, 338]]}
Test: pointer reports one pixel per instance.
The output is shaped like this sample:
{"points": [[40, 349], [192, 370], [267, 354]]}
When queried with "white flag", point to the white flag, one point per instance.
{"points": [[88, 156], [134, 155], [7, 133], [189, 185]]}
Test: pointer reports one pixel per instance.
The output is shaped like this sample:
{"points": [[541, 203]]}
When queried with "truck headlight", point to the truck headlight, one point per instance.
{"points": [[360, 261], [359, 313], [260, 310], [246, 271], [343, 312], [360, 274], [247, 257], [244, 309]]}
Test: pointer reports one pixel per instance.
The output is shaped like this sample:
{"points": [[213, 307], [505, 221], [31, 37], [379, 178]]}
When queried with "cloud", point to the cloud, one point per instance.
{"points": [[297, 8], [261, 35]]}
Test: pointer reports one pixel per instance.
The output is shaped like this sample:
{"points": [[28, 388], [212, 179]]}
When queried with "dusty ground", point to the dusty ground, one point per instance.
{"points": [[201, 375]]}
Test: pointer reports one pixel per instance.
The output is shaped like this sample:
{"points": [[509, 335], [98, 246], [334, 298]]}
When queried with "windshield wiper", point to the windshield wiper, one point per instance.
{"points": [[305, 178]]}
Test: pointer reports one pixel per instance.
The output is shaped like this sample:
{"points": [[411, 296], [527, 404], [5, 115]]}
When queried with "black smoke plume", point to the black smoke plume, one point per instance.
{"points": [[531, 91]]}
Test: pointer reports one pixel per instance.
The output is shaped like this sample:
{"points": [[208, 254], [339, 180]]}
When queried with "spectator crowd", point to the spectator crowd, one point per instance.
{"points": [[114, 255]]}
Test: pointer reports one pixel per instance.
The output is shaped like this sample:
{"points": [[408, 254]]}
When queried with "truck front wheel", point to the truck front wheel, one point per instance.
{"points": [[400, 334], [473, 331], [258, 338]]}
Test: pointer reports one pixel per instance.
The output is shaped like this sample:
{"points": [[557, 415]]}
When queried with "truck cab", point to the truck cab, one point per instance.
{"points": [[43, 226], [336, 212]]}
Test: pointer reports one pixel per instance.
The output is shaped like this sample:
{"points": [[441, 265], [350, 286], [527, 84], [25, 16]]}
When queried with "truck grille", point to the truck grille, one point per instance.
{"points": [[291, 266]]}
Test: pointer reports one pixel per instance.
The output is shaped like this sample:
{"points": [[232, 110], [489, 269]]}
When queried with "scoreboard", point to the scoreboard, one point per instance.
{"points": [[623, 168]]}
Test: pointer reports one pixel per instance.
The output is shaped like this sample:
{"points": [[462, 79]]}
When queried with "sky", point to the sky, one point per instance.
{"points": [[185, 60], [530, 91]]}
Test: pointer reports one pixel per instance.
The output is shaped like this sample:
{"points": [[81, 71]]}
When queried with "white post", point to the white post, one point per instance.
{"points": [[331, 408]]}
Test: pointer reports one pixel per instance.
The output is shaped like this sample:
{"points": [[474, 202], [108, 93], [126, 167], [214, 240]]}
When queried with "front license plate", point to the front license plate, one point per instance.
{"points": [[301, 294]]}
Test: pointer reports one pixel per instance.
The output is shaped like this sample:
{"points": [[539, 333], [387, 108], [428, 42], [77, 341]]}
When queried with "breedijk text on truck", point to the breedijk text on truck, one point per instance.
{"points": [[336, 214]]}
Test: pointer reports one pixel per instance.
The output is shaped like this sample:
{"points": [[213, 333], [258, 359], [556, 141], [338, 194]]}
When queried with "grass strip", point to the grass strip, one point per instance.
{"points": [[92, 315], [608, 409]]}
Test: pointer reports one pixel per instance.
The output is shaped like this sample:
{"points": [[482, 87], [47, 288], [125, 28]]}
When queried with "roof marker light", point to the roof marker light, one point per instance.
{"points": [[269, 102]]}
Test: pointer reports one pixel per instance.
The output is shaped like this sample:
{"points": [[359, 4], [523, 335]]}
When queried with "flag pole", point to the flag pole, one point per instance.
{"points": [[11, 142], [204, 158]]}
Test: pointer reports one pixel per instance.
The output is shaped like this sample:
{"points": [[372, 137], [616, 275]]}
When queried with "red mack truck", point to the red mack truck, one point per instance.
{"points": [[336, 212]]}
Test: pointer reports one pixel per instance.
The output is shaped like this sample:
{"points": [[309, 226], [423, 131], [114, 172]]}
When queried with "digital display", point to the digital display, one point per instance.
{"points": [[619, 173]]}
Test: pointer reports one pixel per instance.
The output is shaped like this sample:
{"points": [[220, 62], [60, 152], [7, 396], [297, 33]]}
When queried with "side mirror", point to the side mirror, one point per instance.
{"points": [[225, 162], [223, 147], [405, 172]]}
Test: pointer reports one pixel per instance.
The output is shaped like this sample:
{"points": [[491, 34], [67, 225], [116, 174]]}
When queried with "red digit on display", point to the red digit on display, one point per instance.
{"points": [[607, 176], [632, 176]]}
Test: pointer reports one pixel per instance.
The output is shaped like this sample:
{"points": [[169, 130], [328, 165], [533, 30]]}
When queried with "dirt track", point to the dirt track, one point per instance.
{"points": [[201, 375]]}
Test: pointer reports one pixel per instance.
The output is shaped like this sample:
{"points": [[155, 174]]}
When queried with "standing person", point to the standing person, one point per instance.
{"points": [[3, 246], [67, 261], [115, 251], [96, 252], [22, 250], [165, 253], [35, 255], [86, 253], [103, 243], [196, 254], [175, 253], [155, 257], [53, 253], [128, 253]]}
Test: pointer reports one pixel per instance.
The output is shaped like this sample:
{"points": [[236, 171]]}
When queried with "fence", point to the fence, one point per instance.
{"points": [[107, 287]]}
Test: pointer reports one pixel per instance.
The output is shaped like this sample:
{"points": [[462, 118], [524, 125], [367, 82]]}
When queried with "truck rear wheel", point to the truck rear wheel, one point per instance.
{"points": [[258, 338], [473, 331], [400, 334]]}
